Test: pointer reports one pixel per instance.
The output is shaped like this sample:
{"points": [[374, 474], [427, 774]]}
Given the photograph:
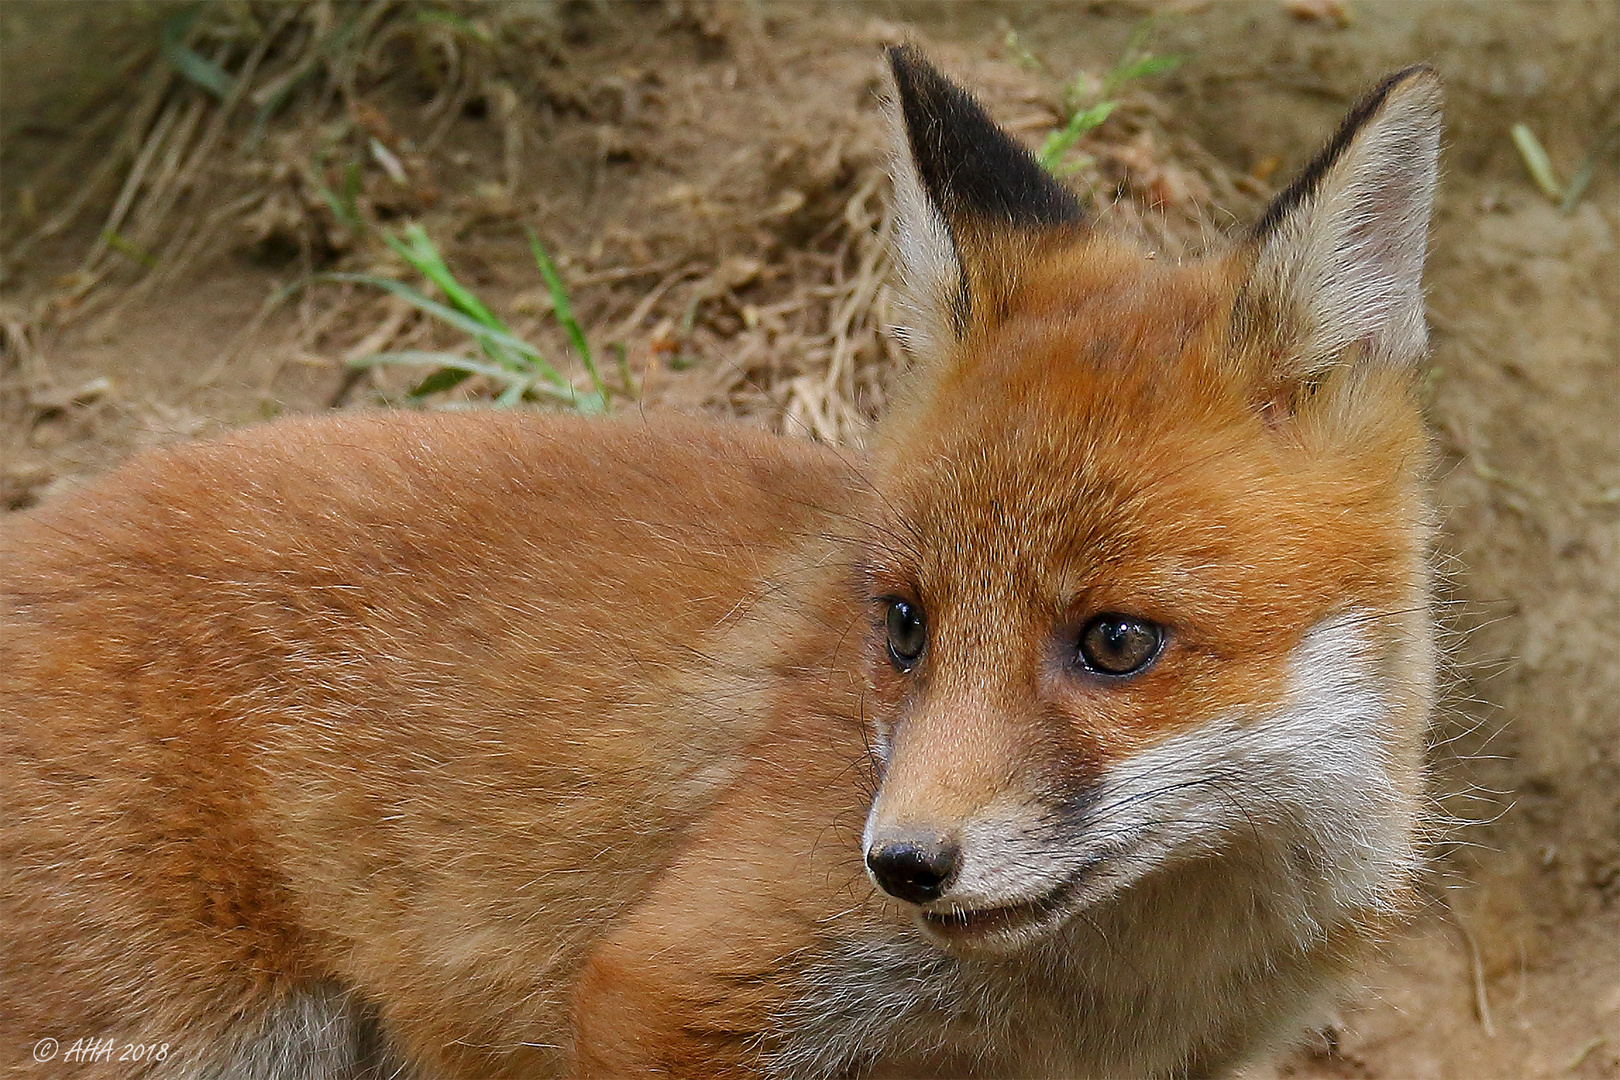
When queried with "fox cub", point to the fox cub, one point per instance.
{"points": [[1076, 732]]}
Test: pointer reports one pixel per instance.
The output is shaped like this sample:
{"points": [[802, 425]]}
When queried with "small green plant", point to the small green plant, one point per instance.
{"points": [[513, 364], [1089, 101], [1540, 167], [507, 360], [1536, 161]]}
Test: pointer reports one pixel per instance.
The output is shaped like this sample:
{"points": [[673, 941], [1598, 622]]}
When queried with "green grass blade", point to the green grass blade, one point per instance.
{"points": [[514, 381], [419, 251], [565, 312], [1536, 161], [186, 60], [1053, 147], [1584, 172], [1131, 68], [1148, 66], [344, 207], [532, 360], [446, 378], [1087, 119], [451, 370], [450, 361], [128, 248], [1061, 141]]}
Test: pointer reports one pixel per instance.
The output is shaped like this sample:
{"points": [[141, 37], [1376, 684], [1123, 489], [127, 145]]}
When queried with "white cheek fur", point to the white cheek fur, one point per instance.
{"points": [[1314, 778], [1310, 781]]}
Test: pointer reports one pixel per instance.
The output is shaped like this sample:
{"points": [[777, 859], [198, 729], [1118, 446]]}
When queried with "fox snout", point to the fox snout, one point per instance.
{"points": [[916, 867], [968, 815], [940, 772], [979, 846], [994, 881]]}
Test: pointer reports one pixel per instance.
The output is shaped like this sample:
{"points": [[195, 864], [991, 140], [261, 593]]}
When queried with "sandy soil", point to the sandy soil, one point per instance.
{"points": [[704, 174]]}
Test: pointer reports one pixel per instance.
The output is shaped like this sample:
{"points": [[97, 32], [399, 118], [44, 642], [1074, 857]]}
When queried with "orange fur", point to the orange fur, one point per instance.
{"points": [[482, 745], [319, 701]]}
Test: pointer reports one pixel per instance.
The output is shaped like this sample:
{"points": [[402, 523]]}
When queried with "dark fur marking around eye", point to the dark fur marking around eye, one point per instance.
{"points": [[1310, 178]]}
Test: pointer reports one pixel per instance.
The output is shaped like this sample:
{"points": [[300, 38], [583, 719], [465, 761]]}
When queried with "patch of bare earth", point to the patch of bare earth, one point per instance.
{"points": [[708, 177]]}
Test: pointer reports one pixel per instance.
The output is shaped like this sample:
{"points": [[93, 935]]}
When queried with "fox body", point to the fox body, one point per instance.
{"points": [[1077, 731]]}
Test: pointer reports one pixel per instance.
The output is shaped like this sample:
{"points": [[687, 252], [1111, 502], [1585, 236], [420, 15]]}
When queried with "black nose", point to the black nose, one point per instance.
{"points": [[912, 870]]}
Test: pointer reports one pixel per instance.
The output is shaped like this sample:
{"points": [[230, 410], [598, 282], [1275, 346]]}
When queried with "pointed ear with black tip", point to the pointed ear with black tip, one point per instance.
{"points": [[1338, 272], [961, 184]]}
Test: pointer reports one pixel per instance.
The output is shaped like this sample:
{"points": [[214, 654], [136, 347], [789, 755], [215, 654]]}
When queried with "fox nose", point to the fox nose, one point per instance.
{"points": [[916, 871]]}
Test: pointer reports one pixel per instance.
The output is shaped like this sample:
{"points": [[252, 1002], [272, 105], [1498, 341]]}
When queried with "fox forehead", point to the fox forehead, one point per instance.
{"points": [[1101, 449], [1060, 436], [1111, 301]]}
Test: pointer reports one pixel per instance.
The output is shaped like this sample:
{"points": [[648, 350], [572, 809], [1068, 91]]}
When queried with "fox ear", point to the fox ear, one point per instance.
{"points": [[960, 184], [1338, 275]]}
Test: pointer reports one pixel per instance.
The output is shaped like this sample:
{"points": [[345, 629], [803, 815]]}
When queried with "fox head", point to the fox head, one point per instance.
{"points": [[1149, 582]]}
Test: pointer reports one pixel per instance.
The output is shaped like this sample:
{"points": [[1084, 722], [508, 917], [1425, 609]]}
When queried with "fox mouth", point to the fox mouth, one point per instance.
{"points": [[1006, 924]]}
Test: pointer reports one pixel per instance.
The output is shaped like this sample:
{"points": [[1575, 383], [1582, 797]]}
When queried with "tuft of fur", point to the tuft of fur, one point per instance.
{"points": [[318, 1032]]}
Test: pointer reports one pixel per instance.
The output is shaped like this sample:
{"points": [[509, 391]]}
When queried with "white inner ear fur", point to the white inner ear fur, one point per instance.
{"points": [[1346, 265], [929, 270]]}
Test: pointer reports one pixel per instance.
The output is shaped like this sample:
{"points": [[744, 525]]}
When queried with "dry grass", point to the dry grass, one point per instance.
{"points": [[280, 131]]}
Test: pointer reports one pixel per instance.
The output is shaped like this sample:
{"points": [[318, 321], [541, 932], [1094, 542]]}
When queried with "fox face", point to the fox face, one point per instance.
{"points": [[1149, 581]]}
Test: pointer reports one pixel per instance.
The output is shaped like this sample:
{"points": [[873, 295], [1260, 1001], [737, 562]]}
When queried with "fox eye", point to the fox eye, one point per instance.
{"points": [[908, 634], [1114, 644]]}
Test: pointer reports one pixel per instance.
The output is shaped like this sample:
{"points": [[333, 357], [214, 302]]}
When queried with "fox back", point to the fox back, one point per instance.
{"points": [[1077, 731]]}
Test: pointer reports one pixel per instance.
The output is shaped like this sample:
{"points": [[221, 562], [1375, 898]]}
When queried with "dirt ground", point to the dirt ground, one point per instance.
{"points": [[709, 180]]}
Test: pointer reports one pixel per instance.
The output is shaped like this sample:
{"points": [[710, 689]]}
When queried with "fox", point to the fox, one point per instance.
{"points": [[1074, 729]]}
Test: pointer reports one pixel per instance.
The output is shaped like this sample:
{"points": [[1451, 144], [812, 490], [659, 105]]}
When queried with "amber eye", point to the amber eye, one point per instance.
{"points": [[908, 634], [1114, 644]]}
